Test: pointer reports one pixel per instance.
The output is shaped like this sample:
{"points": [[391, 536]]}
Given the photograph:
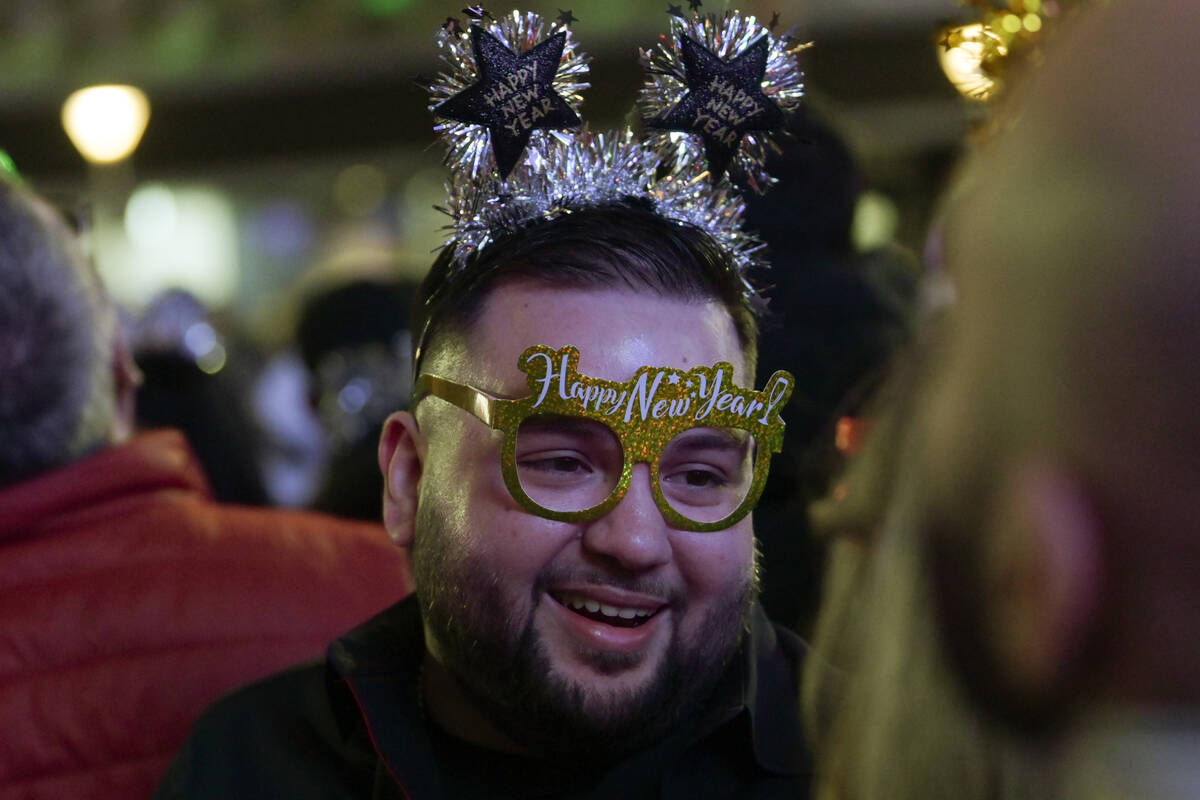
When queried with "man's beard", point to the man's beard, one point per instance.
{"points": [[504, 665]]}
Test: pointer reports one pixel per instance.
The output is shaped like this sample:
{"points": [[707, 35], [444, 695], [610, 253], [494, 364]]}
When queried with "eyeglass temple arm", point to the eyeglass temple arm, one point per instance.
{"points": [[476, 403]]}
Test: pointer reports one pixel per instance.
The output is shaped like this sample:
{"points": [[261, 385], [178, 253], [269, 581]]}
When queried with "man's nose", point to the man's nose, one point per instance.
{"points": [[634, 533]]}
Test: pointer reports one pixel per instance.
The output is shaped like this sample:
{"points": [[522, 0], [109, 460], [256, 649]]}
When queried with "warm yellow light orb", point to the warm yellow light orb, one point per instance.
{"points": [[964, 54], [106, 123]]}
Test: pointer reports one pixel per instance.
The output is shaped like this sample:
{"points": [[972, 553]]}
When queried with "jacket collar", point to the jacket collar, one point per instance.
{"points": [[379, 664], [771, 663]]}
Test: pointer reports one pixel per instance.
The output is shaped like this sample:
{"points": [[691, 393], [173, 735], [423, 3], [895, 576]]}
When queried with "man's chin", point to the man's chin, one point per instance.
{"points": [[599, 719], [607, 686], [612, 670], [586, 703]]}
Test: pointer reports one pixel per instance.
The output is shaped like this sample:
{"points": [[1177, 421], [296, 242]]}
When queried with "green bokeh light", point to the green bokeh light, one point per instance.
{"points": [[385, 8], [8, 166]]}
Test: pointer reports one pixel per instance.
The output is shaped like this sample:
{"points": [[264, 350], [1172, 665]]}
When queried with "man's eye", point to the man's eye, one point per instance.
{"points": [[554, 464], [703, 478], [697, 478]]}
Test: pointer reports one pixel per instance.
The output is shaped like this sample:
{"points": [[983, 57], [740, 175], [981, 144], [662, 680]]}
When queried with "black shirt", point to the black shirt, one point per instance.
{"points": [[353, 728]]}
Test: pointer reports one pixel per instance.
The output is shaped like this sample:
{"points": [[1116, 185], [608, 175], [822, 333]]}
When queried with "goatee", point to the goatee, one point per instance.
{"points": [[504, 665]]}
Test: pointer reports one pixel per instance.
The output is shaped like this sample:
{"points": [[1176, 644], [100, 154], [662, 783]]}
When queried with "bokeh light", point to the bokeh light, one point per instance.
{"points": [[182, 237], [876, 220], [358, 190], [385, 8], [150, 216], [963, 53], [105, 123]]}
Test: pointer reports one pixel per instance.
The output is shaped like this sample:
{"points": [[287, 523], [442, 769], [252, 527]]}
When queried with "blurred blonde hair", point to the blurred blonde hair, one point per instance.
{"points": [[885, 715]]}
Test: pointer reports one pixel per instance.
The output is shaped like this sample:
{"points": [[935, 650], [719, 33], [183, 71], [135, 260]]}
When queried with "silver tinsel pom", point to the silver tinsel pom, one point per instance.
{"points": [[468, 150], [725, 35], [593, 169]]}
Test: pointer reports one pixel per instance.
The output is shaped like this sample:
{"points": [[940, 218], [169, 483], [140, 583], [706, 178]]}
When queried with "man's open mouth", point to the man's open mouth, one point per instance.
{"points": [[617, 616]]}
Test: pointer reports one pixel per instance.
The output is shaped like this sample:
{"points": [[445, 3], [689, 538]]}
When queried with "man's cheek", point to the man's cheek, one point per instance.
{"points": [[713, 561]]}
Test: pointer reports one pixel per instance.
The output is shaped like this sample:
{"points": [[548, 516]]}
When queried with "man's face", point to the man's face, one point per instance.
{"points": [[579, 635]]}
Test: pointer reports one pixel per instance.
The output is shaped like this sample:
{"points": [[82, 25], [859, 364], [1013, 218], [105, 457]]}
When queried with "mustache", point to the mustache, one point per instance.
{"points": [[671, 593]]}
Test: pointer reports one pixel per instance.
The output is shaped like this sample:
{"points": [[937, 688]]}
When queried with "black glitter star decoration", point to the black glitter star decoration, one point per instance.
{"points": [[566, 17], [676, 11], [774, 21], [513, 97], [694, 5], [724, 101]]}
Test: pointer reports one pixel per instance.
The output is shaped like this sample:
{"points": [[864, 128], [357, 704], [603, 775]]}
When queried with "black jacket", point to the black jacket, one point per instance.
{"points": [[352, 728]]}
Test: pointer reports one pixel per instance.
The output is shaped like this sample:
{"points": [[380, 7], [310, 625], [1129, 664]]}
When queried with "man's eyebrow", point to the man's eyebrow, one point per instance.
{"points": [[561, 423], [710, 439]]}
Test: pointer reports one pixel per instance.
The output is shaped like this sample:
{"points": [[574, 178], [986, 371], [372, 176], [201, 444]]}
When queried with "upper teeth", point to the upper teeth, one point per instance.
{"points": [[580, 603]]}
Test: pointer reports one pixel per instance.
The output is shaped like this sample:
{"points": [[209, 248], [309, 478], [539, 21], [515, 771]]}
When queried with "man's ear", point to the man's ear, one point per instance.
{"points": [[1043, 576], [127, 378], [401, 458]]}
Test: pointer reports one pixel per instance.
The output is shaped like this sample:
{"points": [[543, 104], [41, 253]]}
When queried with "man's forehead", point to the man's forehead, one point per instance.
{"points": [[616, 330]]}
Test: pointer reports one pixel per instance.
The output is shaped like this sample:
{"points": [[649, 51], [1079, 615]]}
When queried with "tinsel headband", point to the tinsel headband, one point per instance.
{"points": [[716, 96], [727, 82]]}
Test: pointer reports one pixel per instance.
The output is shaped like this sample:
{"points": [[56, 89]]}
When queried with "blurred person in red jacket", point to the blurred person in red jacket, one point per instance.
{"points": [[129, 598]]}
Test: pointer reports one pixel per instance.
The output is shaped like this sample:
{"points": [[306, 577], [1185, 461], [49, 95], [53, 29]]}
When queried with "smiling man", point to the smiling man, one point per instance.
{"points": [[584, 622]]}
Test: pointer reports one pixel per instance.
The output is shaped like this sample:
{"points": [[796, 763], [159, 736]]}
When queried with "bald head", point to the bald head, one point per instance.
{"points": [[1060, 442], [1076, 249], [57, 328]]}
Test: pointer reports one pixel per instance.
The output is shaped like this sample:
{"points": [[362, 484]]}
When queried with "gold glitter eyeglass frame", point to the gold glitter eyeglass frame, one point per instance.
{"points": [[640, 440]]}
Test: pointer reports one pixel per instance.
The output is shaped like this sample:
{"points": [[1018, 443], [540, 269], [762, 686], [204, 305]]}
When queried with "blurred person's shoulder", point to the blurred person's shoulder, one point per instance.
{"points": [[157, 490], [333, 565]]}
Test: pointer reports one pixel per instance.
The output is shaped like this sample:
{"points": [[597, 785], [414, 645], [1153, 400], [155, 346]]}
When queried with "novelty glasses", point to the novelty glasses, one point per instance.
{"points": [[570, 445]]}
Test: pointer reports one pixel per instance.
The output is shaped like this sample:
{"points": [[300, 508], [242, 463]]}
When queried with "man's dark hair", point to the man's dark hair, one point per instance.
{"points": [[56, 393], [620, 245]]}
